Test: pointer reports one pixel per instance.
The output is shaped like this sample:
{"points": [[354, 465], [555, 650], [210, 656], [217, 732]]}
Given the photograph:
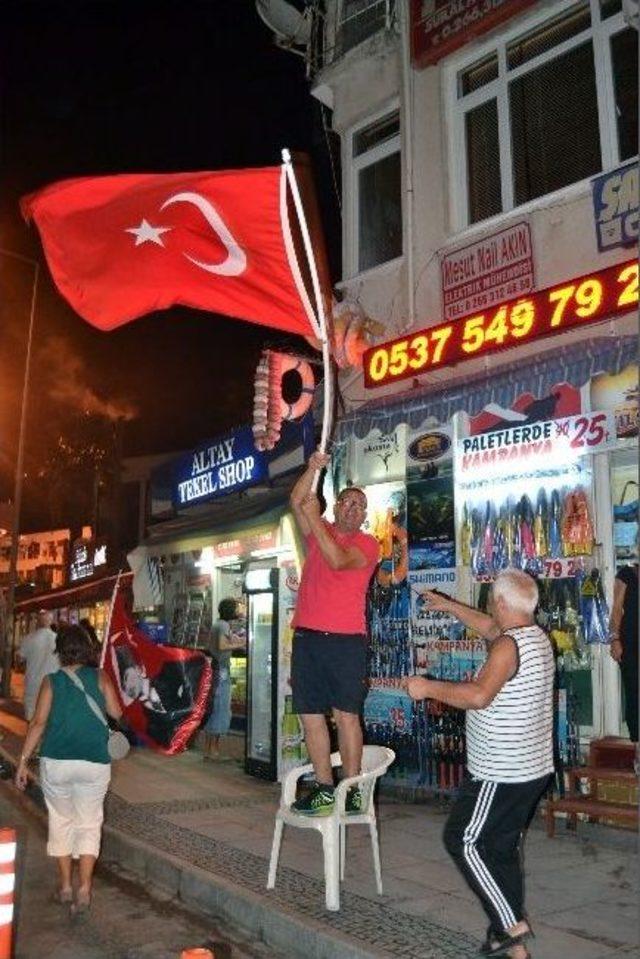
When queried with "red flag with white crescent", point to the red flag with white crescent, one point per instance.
{"points": [[122, 246], [163, 690]]}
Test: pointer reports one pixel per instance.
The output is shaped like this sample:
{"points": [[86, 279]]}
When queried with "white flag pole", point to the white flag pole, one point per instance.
{"points": [[105, 642], [321, 319]]}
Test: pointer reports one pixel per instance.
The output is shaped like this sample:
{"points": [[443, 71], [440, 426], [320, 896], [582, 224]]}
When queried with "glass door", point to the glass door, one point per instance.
{"points": [[260, 684]]}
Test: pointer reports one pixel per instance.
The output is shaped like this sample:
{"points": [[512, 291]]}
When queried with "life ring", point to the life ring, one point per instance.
{"points": [[393, 569], [295, 411], [270, 408]]}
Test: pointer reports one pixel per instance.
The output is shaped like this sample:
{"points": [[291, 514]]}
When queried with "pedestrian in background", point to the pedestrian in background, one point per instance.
{"points": [[509, 729], [226, 636], [75, 766], [38, 651], [96, 645], [329, 654], [623, 633]]}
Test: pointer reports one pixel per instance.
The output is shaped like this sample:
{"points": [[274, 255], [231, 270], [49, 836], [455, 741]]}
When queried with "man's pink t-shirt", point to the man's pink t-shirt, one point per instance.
{"points": [[333, 600]]}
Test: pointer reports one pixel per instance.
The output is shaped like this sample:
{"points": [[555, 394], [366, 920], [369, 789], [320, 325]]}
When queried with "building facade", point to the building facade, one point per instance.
{"points": [[490, 216]]}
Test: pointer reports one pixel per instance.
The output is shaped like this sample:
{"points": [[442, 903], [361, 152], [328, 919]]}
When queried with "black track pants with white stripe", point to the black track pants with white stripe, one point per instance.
{"points": [[483, 836]]}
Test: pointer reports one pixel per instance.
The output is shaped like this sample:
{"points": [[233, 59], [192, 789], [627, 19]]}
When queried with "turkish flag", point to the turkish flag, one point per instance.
{"points": [[163, 690], [122, 246]]}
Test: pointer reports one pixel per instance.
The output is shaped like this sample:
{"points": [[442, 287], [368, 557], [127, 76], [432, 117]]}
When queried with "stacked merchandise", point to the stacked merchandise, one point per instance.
{"points": [[519, 533], [390, 650]]}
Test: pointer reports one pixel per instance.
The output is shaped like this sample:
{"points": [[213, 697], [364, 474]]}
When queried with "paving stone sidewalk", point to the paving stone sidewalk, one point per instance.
{"points": [[204, 830]]}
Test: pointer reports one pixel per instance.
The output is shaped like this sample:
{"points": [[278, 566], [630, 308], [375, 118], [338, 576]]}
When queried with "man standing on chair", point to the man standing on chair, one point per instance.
{"points": [[328, 666]]}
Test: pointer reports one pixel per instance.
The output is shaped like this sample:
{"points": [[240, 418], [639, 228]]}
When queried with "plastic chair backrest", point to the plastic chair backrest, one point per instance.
{"points": [[376, 757]]}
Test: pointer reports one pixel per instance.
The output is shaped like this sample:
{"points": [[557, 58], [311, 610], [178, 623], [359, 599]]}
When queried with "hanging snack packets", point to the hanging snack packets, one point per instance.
{"points": [[594, 611], [577, 530]]}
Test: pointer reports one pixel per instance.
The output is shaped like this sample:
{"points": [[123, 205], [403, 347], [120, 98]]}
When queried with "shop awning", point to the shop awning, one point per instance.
{"points": [[84, 594], [257, 510], [574, 364]]}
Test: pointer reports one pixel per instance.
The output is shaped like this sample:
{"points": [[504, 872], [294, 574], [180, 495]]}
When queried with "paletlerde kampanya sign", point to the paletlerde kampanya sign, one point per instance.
{"points": [[224, 465]]}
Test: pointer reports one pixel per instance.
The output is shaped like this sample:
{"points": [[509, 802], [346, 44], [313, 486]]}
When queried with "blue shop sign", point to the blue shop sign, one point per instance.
{"points": [[231, 463], [615, 207]]}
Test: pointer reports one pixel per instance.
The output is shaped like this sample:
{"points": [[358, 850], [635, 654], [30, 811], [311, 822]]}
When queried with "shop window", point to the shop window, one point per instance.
{"points": [[544, 109], [377, 213], [624, 57], [554, 125], [610, 7], [483, 161]]}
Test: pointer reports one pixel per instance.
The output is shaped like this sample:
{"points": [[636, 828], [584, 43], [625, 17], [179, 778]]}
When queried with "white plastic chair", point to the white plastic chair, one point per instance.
{"points": [[375, 762]]}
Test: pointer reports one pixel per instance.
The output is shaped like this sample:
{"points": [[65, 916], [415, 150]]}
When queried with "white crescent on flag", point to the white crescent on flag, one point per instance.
{"points": [[236, 261]]}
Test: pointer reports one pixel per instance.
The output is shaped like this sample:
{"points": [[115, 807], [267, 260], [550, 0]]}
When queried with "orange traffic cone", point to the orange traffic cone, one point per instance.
{"points": [[196, 953], [7, 885]]}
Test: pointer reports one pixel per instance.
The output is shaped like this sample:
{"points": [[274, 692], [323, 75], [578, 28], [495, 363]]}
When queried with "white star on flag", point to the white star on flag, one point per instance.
{"points": [[145, 233]]}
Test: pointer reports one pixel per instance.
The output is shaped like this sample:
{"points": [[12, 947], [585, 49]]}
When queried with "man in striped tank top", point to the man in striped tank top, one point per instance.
{"points": [[509, 729]]}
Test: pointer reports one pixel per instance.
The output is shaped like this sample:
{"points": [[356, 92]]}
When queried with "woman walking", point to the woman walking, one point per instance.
{"points": [[75, 767]]}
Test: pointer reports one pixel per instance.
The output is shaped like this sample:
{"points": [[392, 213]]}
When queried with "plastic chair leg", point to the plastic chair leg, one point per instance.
{"points": [[275, 853], [343, 849], [375, 849], [331, 848]]}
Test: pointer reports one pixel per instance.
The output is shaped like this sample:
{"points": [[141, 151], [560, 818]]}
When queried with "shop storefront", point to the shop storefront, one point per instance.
{"points": [[235, 539], [90, 600], [534, 466]]}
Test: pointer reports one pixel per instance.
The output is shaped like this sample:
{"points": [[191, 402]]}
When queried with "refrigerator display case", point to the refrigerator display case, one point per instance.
{"points": [[275, 739], [292, 750], [238, 672], [261, 587]]}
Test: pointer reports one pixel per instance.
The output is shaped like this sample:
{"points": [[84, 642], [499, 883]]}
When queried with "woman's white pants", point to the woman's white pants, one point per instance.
{"points": [[74, 792]]}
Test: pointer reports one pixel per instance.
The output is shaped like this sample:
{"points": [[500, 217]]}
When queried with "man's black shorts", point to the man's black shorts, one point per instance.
{"points": [[328, 670]]}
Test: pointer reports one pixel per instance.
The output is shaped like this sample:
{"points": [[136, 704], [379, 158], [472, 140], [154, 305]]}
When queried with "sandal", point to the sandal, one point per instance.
{"points": [[492, 938], [63, 897], [506, 942], [80, 908]]}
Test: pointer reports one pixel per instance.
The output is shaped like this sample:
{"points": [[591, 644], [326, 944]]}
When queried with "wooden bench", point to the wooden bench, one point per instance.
{"points": [[596, 774], [611, 762], [595, 809]]}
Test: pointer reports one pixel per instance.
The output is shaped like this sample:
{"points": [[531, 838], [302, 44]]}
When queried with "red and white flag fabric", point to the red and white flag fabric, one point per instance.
{"points": [[163, 690], [122, 246]]}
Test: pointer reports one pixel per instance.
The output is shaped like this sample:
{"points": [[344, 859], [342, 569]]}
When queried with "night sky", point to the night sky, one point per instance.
{"points": [[102, 86]]}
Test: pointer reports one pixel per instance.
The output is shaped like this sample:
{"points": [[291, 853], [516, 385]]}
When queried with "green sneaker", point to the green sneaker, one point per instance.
{"points": [[319, 802], [353, 802]]}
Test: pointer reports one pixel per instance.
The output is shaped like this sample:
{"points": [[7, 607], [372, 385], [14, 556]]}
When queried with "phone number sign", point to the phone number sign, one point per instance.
{"points": [[580, 302]]}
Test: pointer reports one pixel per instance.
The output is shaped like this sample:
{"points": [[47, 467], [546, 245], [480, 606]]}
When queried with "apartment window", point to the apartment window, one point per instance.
{"points": [[360, 19], [544, 109], [377, 211]]}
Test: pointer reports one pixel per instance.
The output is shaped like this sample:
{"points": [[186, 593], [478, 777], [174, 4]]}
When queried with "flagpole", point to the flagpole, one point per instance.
{"points": [[105, 642], [328, 385], [8, 637]]}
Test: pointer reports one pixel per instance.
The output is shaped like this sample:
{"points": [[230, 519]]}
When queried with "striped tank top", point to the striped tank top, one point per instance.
{"points": [[511, 741]]}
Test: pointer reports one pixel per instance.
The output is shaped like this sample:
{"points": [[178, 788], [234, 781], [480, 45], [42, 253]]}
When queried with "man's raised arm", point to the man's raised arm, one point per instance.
{"points": [[302, 489], [337, 556], [482, 623]]}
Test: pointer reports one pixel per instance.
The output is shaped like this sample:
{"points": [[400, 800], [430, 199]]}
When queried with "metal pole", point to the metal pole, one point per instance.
{"points": [[407, 154], [327, 418], [8, 637]]}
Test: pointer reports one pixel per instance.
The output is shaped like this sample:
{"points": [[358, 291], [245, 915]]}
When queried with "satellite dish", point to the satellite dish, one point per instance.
{"points": [[291, 25]]}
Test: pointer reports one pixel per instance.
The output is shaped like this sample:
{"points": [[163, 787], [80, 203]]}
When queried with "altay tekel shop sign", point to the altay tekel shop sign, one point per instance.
{"points": [[231, 463]]}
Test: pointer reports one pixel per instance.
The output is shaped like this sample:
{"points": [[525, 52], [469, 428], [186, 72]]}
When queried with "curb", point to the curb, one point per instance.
{"points": [[213, 895]]}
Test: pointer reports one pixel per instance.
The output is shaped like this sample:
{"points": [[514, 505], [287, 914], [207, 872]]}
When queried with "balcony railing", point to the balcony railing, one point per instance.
{"points": [[340, 26]]}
